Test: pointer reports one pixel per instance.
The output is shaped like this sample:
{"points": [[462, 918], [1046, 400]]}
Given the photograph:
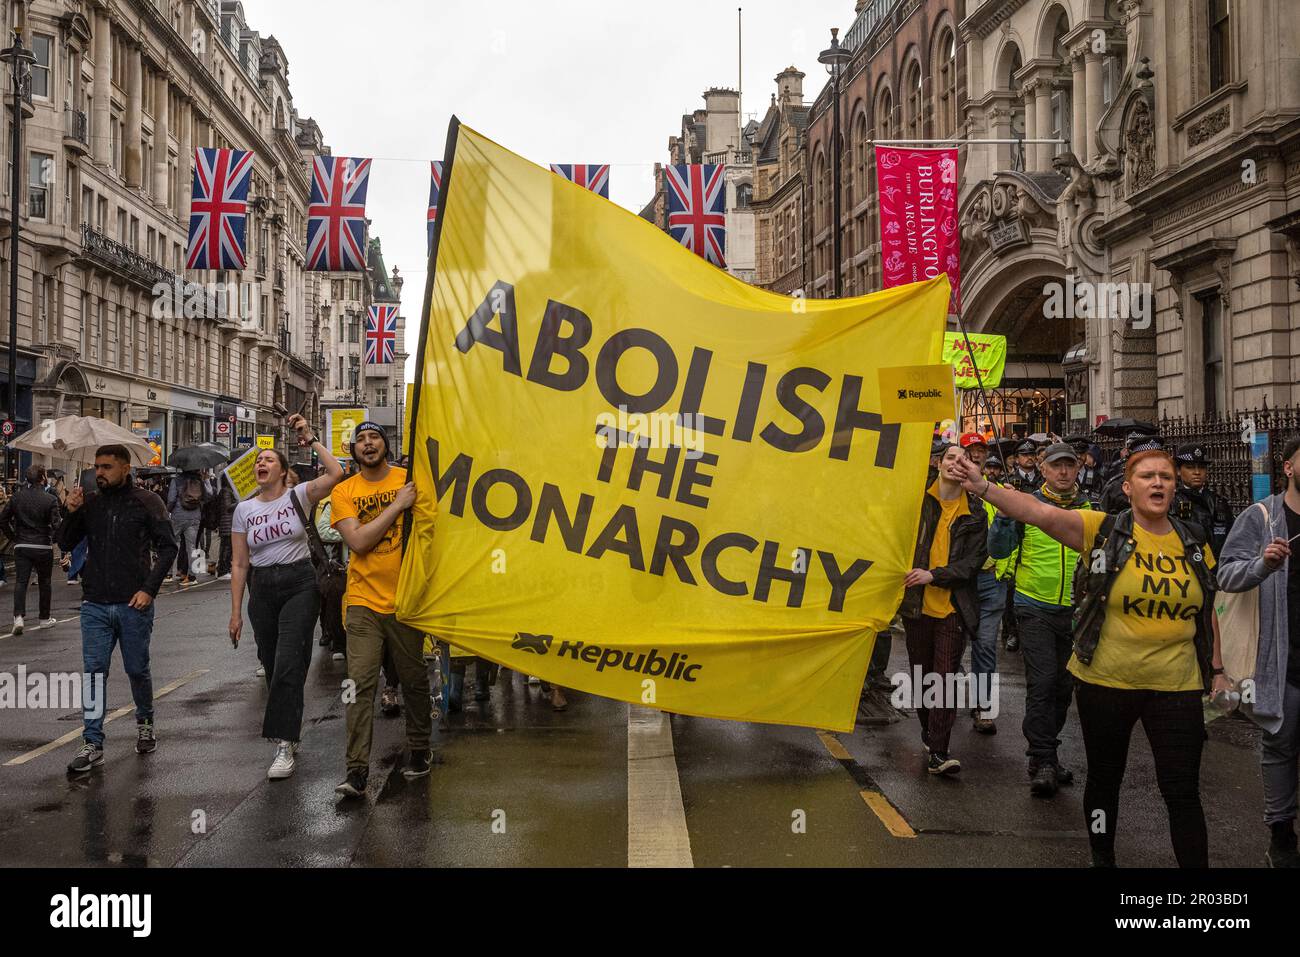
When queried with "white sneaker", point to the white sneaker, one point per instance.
{"points": [[48, 623], [226, 577], [534, 680], [282, 766], [18, 624], [169, 579], [261, 672], [338, 656]]}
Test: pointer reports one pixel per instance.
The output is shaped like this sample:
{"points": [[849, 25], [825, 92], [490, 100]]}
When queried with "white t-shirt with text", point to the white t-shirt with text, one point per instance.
{"points": [[273, 529]]}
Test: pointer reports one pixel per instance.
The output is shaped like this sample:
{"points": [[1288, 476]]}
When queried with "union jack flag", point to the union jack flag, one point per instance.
{"points": [[697, 215], [381, 334], [219, 209], [594, 178], [435, 186], [336, 214]]}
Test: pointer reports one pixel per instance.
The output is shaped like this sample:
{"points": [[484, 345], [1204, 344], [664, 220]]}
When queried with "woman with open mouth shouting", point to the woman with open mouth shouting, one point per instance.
{"points": [[271, 553], [1145, 642]]}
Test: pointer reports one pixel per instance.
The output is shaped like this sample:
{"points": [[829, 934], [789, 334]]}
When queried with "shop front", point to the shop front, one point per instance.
{"points": [[192, 417], [148, 412], [109, 399]]}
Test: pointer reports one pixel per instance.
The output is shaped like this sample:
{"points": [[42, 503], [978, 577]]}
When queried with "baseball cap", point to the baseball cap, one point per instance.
{"points": [[972, 438], [1061, 450]]}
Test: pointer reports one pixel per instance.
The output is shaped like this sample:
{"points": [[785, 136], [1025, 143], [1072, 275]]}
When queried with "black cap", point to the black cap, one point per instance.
{"points": [[1191, 454], [993, 460], [368, 426], [1026, 448]]}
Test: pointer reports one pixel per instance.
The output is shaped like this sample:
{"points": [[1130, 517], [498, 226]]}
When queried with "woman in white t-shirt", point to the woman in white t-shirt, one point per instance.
{"points": [[270, 552]]}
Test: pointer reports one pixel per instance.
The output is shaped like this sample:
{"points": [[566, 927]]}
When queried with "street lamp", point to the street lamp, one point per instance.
{"points": [[835, 56], [20, 59]]}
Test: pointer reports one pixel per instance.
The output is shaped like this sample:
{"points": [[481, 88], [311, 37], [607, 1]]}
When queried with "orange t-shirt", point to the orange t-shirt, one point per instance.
{"points": [[372, 577]]}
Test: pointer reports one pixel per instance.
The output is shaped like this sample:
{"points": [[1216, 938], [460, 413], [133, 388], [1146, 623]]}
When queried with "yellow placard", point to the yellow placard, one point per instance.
{"points": [[341, 423], [239, 474], [737, 562], [266, 441], [922, 393]]}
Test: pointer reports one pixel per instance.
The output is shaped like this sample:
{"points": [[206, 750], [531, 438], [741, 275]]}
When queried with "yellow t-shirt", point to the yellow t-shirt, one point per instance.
{"points": [[372, 577], [937, 602], [1147, 637]]}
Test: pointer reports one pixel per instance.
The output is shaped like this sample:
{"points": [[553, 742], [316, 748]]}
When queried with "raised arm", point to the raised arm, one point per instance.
{"points": [[1063, 524]]}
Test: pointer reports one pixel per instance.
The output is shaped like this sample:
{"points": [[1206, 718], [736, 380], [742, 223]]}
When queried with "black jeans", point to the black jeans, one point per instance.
{"points": [[26, 559], [1175, 726], [1045, 643], [226, 557], [283, 605]]}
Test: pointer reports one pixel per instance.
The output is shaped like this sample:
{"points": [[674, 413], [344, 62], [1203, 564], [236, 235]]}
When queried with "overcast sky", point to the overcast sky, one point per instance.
{"points": [[554, 80]]}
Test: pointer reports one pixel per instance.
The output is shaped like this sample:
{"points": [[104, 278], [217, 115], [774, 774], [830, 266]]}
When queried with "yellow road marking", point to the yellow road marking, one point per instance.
{"points": [[888, 814], [880, 805], [74, 735], [833, 745]]}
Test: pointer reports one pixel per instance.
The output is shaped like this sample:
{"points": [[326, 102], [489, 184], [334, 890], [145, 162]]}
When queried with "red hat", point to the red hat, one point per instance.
{"points": [[972, 438]]}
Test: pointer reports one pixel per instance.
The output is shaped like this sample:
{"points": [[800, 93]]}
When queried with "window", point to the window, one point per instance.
{"points": [[381, 397], [915, 128], [85, 327], [135, 235], [1212, 346], [354, 331], [40, 173], [101, 213], [1220, 49], [43, 47]]}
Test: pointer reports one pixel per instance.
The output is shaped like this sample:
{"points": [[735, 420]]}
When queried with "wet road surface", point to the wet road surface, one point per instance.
{"points": [[516, 784]]}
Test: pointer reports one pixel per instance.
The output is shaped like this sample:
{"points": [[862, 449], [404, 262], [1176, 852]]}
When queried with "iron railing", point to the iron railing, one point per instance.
{"points": [[1228, 454], [78, 126]]}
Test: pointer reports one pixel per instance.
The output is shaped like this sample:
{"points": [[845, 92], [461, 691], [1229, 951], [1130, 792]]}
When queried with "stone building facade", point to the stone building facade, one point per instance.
{"points": [[905, 80], [780, 188], [1176, 194], [110, 322]]}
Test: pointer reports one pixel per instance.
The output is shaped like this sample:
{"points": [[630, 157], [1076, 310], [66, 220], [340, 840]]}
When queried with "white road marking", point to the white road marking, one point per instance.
{"points": [[74, 735], [656, 819], [60, 621]]}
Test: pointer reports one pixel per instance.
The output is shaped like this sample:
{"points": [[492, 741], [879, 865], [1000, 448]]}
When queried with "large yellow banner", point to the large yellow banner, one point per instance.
{"points": [[640, 477]]}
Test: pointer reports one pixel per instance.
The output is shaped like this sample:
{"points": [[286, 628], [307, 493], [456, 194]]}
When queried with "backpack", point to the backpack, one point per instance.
{"points": [[191, 494]]}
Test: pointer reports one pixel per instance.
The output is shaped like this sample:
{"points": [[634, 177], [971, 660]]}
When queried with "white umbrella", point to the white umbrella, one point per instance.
{"points": [[75, 438]]}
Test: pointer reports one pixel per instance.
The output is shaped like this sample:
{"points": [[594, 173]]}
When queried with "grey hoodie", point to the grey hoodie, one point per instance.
{"points": [[1241, 567]]}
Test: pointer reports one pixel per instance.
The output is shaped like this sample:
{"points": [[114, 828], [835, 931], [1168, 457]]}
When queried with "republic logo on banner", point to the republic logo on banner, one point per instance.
{"points": [[919, 238], [643, 478]]}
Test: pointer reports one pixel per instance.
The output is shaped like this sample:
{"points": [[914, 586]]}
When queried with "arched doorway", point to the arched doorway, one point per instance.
{"points": [[1031, 397]]}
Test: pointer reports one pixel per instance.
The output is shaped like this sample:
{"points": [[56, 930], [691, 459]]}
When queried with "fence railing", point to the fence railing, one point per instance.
{"points": [[1222, 437]]}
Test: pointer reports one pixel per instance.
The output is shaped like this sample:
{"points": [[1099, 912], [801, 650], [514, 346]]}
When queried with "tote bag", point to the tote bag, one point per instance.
{"points": [[1239, 627]]}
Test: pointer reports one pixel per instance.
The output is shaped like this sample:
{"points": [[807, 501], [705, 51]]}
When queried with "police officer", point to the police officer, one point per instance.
{"points": [[1024, 477], [1196, 501], [1113, 499]]}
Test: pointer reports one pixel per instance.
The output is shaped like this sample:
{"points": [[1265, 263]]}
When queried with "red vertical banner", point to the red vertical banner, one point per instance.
{"points": [[919, 238]]}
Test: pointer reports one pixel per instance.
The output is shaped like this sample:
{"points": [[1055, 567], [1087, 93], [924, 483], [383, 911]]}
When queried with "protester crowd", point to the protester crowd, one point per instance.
{"points": [[1103, 576]]}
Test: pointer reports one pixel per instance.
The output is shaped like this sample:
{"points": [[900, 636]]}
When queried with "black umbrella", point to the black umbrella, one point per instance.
{"points": [[1125, 426], [194, 458]]}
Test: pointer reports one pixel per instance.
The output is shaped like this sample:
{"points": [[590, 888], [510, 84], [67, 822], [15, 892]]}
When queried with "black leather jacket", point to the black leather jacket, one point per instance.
{"points": [[967, 552], [122, 526], [31, 517]]}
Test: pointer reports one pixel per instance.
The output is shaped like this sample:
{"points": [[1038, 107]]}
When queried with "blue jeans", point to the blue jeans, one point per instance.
{"points": [[984, 646], [78, 561], [103, 627]]}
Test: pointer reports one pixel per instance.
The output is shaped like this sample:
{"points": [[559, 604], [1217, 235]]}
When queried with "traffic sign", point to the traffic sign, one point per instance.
{"points": [[7, 428]]}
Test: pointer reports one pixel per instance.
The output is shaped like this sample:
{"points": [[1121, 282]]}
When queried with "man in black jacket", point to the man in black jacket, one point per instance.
{"points": [[30, 519], [940, 606], [122, 526]]}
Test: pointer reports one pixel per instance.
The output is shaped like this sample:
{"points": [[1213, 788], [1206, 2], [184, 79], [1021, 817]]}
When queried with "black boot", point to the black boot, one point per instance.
{"points": [[1282, 845]]}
